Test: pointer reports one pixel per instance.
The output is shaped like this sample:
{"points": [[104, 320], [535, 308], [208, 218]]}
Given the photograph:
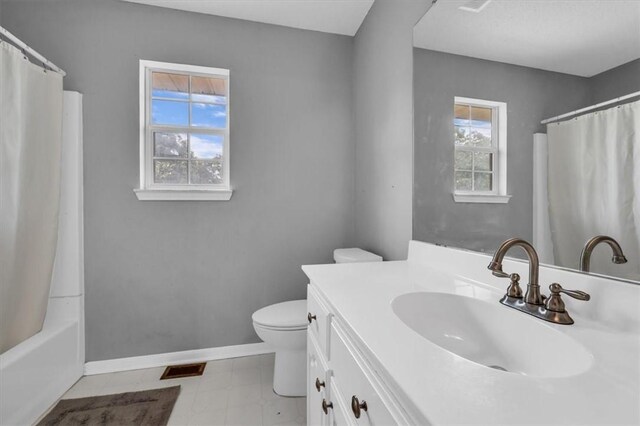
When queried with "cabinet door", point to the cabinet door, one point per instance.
{"points": [[338, 415], [353, 386], [316, 371]]}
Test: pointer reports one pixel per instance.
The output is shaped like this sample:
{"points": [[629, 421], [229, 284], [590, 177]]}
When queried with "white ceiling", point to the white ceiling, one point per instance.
{"points": [[329, 16], [579, 37]]}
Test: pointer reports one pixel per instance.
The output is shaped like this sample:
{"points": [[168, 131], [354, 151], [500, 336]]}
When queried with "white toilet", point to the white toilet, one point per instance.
{"points": [[284, 327]]}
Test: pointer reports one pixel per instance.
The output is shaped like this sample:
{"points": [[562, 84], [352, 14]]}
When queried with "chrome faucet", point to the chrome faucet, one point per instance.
{"points": [[550, 309], [585, 258]]}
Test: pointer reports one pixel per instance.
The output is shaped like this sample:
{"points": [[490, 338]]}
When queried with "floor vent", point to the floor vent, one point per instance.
{"points": [[184, 370]]}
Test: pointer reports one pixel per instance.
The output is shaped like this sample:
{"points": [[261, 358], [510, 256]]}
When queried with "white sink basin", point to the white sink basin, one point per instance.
{"points": [[492, 335]]}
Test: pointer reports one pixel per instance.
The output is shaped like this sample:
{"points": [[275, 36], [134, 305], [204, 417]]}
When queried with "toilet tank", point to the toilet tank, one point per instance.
{"points": [[354, 255]]}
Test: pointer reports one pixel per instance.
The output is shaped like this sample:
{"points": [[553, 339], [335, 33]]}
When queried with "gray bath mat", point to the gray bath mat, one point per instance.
{"points": [[146, 408]]}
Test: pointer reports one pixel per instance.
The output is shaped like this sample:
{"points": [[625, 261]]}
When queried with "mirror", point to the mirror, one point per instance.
{"points": [[490, 165]]}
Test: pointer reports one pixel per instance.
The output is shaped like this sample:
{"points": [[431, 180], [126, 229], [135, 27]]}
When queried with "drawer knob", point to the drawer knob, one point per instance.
{"points": [[326, 405], [310, 317], [319, 384], [356, 406]]}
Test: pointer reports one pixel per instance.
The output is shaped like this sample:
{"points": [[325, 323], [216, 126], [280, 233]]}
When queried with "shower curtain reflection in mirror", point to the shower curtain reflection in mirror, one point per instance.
{"points": [[30, 141], [594, 187]]}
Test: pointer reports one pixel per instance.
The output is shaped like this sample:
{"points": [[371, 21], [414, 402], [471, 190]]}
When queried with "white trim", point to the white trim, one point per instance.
{"points": [[479, 102], [589, 108], [183, 357], [500, 195], [481, 198], [183, 194], [142, 114], [182, 67], [220, 192]]}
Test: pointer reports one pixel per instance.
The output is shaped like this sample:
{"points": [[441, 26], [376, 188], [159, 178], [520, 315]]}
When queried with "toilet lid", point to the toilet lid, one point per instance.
{"points": [[286, 315]]}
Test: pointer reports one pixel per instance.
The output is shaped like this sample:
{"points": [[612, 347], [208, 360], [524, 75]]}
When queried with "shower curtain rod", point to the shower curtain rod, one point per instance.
{"points": [[589, 108], [22, 45]]}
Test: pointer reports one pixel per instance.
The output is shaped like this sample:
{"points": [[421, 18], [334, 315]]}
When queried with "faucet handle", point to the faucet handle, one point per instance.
{"points": [[576, 294], [514, 289], [555, 303]]}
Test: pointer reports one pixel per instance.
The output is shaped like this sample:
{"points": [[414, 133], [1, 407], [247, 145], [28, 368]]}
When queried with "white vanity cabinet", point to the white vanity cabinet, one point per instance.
{"points": [[375, 334], [347, 386]]}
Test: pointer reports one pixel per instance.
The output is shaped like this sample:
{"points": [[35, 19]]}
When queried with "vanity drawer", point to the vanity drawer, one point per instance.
{"points": [[320, 318], [351, 380], [318, 378]]}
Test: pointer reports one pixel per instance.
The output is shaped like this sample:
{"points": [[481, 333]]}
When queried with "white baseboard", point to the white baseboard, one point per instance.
{"points": [[183, 357]]}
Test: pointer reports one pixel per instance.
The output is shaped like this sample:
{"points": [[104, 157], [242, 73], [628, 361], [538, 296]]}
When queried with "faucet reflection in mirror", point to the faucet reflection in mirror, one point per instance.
{"points": [[550, 309], [585, 258]]}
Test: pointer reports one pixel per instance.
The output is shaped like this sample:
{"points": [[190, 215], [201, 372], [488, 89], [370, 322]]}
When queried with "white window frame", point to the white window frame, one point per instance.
{"points": [[499, 122], [150, 191]]}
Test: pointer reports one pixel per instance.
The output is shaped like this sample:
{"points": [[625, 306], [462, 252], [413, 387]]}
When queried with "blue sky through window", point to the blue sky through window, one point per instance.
{"points": [[203, 97], [472, 123], [169, 94], [206, 146], [175, 113], [208, 115], [169, 112]]}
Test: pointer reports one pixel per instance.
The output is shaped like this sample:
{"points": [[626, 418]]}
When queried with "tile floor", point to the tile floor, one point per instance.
{"points": [[230, 392]]}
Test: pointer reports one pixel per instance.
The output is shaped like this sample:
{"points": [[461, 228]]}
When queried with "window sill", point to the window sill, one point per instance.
{"points": [[478, 198], [183, 195]]}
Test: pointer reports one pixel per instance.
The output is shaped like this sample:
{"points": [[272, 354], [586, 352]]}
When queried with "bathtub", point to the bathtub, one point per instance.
{"points": [[37, 372]]}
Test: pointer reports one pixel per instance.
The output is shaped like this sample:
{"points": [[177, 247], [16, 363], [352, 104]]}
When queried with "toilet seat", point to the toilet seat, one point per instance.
{"points": [[291, 315], [276, 328]]}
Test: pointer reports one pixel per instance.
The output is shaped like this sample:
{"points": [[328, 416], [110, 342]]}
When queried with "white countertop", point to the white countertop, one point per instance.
{"points": [[448, 389]]}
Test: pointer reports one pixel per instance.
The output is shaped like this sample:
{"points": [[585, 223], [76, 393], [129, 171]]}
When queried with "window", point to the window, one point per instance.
{"points": [[184, 132], [480, 141]]}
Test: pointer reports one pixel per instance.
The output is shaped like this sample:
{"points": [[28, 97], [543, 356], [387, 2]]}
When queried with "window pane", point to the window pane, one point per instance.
{"points": [[463, 160], [206, 172], [480, 137], [483, 161], [462, 136], [481, 117], [482, 181], [173, 86], [170, 145], [208, 115], [461, 115], [207, 89], [463, 181], [170, 113], [169, 171], [207, 146]]}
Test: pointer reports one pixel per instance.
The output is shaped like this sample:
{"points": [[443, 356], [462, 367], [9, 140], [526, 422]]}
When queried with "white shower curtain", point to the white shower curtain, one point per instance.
{"points": [[30, 141], [594, 187]]}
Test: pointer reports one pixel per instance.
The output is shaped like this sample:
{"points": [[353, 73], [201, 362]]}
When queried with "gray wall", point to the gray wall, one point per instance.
{"points": [[383, 91], [616, 82], [531, 96], [170, 276]]}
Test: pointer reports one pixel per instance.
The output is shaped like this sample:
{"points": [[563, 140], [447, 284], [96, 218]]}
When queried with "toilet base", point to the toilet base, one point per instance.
{"points": [[290, 373]]}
